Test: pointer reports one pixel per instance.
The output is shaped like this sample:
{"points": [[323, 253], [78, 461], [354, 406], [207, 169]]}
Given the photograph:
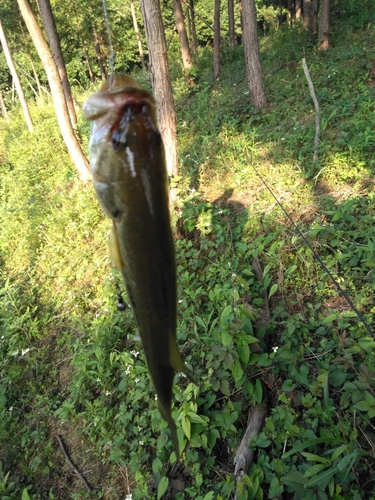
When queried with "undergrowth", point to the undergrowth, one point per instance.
{"points": [[69, 364]]}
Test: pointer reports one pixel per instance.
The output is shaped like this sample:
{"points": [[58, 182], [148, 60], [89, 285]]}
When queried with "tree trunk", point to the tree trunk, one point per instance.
{"points": [[310, 15], [161, 82], [232, 33], [57, 92], [99, 54], [324, 26], [184, 43], [298, 9], [192, 28], [217, 39], [251, 49], [3, 108], [16, 80], [86, 56], [136, 29], [54, 43]]}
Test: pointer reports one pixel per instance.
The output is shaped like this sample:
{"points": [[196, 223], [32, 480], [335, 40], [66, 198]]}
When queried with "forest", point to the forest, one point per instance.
{"points": [[266, 110]]}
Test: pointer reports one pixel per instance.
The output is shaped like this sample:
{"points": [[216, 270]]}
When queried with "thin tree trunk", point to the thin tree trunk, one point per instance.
{"points": [[99, 54], [232, 34], [57, 92], [217, 39], [193, 27], [251, 48], [324, 26], [3, 108], [184, 43], [136, 29], [310, 15], [54, 43], [298, 9], [16, 80], [161, 82], [86, 56]]}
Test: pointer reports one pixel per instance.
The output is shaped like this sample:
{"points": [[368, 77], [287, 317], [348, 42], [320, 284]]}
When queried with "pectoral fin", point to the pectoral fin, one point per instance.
{"points": [[176, 360], [114, 249]]}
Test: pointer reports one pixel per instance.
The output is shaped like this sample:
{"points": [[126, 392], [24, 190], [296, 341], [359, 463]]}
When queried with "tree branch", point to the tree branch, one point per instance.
{"points": [[244, 456], [71, 465], [317, 110]]}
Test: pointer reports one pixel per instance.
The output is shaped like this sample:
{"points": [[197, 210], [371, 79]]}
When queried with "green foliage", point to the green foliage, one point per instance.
{"points": [[69, 363]]}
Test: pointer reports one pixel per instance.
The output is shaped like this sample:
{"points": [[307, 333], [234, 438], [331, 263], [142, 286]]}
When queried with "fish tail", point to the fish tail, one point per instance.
{"points": [[177, 361], [166, 414]]}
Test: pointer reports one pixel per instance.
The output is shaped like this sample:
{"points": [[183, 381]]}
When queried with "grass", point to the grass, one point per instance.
{"points": [[68, 365]]}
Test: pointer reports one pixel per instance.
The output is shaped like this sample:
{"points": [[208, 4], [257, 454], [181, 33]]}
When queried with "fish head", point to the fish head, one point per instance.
{"points": [[123, 125]]}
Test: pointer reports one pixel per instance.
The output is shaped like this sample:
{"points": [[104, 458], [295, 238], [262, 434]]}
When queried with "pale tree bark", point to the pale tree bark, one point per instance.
{"points": [[298, 9], [136, 29], [3, 108], [161, 81], [324, 26], [251, 49], [217, 39], [16, 80], [184, 42], [54, 43], [57, 92], [232, 34]]}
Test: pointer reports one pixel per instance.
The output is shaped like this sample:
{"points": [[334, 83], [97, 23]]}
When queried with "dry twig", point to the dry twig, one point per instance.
{"points": [[71, 465], [317, 110]]}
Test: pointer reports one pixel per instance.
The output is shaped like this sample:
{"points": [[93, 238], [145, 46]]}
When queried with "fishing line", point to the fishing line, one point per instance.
{"points": [[317, 258], [111, 51]]}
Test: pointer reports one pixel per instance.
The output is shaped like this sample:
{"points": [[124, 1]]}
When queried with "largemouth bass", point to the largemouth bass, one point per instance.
{"points": [[130, 179]]}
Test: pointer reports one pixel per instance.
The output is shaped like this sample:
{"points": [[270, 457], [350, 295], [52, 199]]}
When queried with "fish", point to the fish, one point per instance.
{"points": [[130, 179]]}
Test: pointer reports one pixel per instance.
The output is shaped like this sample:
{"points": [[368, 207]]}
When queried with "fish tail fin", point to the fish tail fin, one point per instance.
{"points": [[114, 249], [177, 361], [166, 414]]}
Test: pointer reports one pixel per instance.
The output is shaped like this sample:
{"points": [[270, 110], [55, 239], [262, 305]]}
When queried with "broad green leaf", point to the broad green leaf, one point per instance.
{"points": [[186, 425], [25, 495], [338, 451], [273, 290], [362, 406], [308, 444], [162, 487], [315, 458], [324, 476], [314, 469]]}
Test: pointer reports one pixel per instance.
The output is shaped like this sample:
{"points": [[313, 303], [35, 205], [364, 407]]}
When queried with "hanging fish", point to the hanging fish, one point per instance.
{"points": [[130, 179]]}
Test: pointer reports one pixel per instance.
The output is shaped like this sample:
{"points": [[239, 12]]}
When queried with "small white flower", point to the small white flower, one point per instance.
{"points": [[107, 393], [129, 497], [234, 275], [193, 190], [127, 371], [275, 349], [283, 138], [136, 380], [24, 351], [98, 379]]}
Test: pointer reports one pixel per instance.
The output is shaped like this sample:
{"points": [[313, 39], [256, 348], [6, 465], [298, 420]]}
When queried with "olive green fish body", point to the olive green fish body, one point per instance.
{"points": [[130, 179]]}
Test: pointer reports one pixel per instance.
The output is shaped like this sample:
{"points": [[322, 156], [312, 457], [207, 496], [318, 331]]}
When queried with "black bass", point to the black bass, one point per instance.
{"points": [[130, 179]]}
